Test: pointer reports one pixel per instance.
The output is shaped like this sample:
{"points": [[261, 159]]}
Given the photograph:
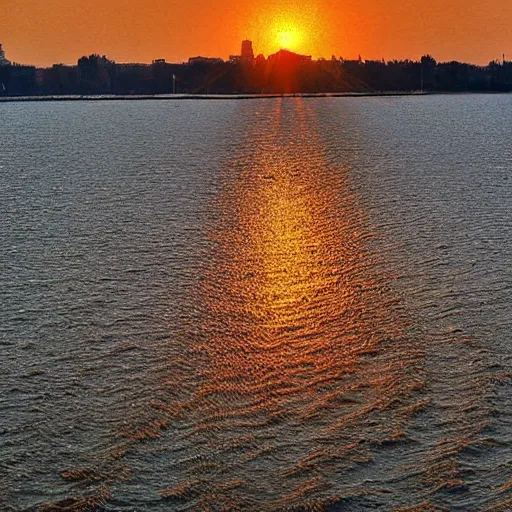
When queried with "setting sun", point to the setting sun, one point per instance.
{"points": [[276, 26], [288, 39]]}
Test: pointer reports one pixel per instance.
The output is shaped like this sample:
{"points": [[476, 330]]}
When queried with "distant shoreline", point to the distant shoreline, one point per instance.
{"points": [[164, 97]]}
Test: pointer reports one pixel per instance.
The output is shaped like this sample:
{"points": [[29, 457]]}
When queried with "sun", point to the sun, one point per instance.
{"points": [[275, 25], [288, 39]]}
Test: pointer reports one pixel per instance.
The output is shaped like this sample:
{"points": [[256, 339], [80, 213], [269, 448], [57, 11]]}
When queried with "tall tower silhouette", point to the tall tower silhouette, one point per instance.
{"points": [[247, 53], [3, 60]]}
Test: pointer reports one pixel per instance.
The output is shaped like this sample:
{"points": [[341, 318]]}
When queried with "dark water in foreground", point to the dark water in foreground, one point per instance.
{"points": [[296, 304]]}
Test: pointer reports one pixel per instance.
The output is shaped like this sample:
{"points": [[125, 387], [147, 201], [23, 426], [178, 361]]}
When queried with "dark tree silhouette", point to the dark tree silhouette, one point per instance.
{"points": [[96, 74], [283, 72]]}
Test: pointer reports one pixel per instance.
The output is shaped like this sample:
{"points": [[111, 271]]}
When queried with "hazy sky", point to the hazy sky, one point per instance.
{"points": [[43, 32]]}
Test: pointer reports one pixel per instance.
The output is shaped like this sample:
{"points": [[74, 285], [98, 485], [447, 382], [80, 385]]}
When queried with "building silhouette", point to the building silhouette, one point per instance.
{"points": [[247, 53], [204, 60], [3, 60], [288, 57], [282, 72]]}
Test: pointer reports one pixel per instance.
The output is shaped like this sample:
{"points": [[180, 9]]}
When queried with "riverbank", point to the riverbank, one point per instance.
{"points": [[113, 97]]}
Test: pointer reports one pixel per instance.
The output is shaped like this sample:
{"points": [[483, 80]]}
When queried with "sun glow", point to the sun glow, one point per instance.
{"points": [[282, 24], [289, 39]]}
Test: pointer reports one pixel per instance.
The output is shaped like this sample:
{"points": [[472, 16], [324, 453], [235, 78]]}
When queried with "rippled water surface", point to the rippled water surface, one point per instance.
{"points": [[265, 305]]}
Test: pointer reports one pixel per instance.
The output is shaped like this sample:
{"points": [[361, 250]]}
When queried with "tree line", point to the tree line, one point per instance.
{"points": [[284, 72]]}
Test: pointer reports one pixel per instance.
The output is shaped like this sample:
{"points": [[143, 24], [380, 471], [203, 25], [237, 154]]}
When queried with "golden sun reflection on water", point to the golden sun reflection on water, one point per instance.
{"points": [[298, 362], [294, 377], [297, 374]]}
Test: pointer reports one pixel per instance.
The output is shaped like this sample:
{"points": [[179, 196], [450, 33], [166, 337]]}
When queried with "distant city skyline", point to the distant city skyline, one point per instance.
{"points": [[57, 32]]}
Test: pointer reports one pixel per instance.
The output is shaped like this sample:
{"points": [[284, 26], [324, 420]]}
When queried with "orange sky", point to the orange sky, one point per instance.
{"points": [[43, 32]]}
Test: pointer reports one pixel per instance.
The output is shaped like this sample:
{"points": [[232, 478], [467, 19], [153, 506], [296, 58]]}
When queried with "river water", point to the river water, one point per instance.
{"points": [[271, 304]]}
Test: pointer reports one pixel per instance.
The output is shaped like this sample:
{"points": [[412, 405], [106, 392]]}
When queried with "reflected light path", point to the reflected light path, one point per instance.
{"points": [[288, 372], [303, 365]]}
